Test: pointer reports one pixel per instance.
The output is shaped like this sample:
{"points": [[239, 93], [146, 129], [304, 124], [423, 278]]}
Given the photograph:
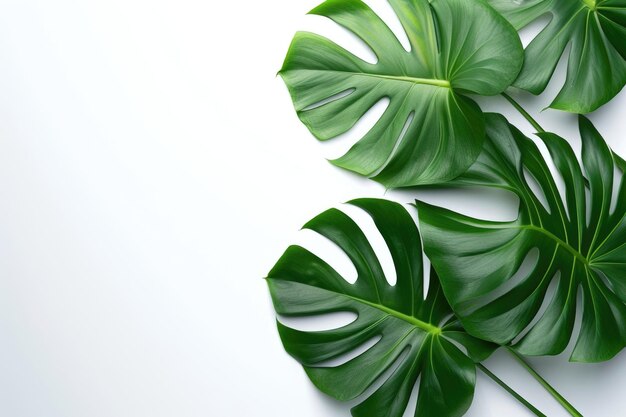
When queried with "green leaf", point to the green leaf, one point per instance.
{"points": [[580, 242], [456, 46], [418, 335], [596, 30]]}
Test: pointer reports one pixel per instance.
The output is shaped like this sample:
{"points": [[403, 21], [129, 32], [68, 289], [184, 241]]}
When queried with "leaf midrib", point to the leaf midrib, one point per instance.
{"points": [[579, 256], [427, 327], [560, 242], [422, 325], [414, 80], [425, 81]]}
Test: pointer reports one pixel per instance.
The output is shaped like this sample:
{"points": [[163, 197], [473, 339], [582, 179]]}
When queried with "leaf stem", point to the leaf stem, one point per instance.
{"points": [[510, 390], [524, 113], [566, 405]]}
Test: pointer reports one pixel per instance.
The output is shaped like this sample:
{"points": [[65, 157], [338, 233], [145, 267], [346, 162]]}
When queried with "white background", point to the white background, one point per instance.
{"points": [[152, 170]]}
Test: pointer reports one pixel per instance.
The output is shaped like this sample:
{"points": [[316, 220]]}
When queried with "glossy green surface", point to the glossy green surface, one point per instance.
{"points": [[580, 241], [596, 31], [456, 46], [419, 337]]}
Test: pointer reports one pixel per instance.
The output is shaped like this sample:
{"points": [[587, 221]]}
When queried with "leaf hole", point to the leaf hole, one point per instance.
{"points": [[412, 405], [458, 345], [558, 181], [353, 354], [534, 28], [536, 189], [447, 319], [522, 274], [342, 143], [343, 37], [547, 300], [618, 177], [329, 252], [607, 282], [330, 99], [385, 375], [578, 321], [376, 240], [401, 138], [557, 81], [427, 273], [436, 25], [319, 323], [386, 13], [588, 206]]}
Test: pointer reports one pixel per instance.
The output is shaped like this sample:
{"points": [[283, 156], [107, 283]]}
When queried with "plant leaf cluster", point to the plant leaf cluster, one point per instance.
{"points": [[518, 283], [580, 241], [595, 30], [419, 335], [431, 131]]}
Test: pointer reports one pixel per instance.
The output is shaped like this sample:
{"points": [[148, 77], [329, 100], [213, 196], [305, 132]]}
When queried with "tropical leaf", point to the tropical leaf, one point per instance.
{"points": [[596, 30], [418, 336], [430, 132], [580, 242]]}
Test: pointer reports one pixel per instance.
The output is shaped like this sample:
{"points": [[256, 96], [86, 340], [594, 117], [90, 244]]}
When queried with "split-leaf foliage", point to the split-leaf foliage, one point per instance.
{"points": [[596, 32], [419, 336], [580, 239], [431, 131], [515, 283]]}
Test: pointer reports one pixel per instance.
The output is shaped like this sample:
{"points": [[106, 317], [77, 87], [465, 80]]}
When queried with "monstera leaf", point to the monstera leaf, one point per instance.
{"points": [[580, 240], [430, 132], [596, 30], [418, 335]]}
